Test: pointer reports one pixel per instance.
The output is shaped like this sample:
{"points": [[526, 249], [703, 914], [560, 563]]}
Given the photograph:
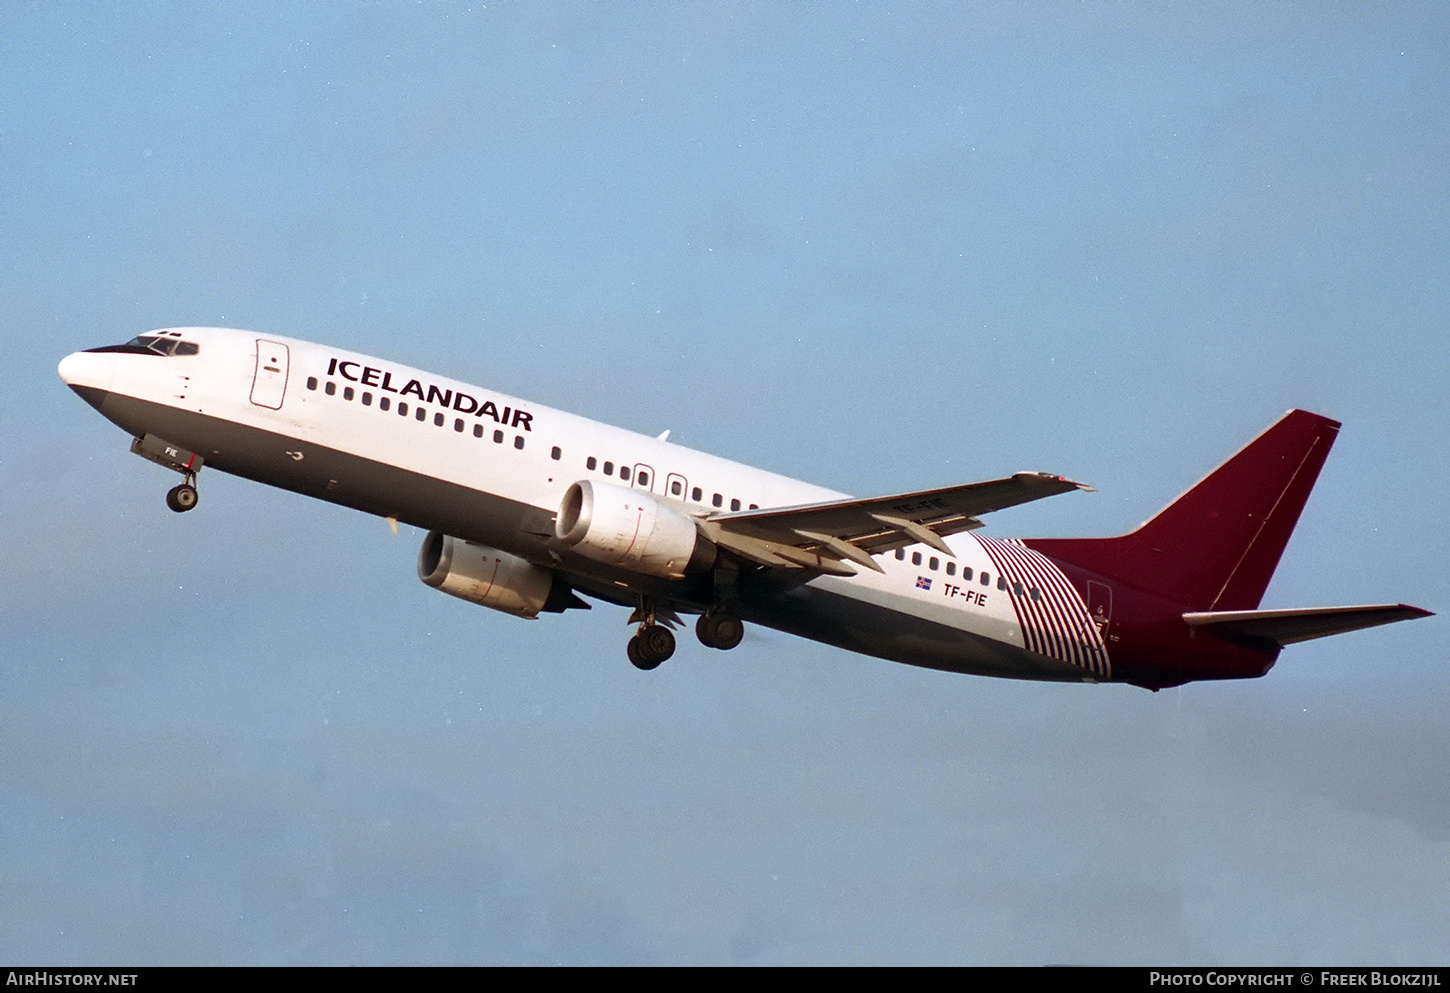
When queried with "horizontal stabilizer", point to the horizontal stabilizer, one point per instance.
{"points": [[1285, 627]]}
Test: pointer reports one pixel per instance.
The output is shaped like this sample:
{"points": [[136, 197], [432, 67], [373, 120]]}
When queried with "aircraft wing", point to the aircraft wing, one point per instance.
{"points": [[829, 537]]}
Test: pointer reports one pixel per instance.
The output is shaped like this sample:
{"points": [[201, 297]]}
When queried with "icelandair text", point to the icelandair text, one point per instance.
{"points": [[382, 379]]}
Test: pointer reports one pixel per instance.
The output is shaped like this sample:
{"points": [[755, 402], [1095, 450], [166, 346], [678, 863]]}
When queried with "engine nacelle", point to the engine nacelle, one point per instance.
{"points": [[485, 575], [631, 529]]}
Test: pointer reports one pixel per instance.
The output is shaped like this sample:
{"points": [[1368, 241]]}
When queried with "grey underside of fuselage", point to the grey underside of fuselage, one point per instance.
{"points": [[777, 600], [897, 635]]}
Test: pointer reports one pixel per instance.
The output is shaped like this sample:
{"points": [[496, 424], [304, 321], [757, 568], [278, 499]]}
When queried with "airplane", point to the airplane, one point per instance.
{"points": [[526, 508]]}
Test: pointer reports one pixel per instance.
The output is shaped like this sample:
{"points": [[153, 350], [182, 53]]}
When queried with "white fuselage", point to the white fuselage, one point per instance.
{"points": [[449, 456]]}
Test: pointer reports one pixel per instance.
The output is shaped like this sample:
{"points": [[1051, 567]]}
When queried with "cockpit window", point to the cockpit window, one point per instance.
{"points": [[164, 344], [154, 344]]}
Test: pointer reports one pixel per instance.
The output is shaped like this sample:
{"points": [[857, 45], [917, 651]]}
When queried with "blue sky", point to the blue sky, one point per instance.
{"points": [[880, 247]]}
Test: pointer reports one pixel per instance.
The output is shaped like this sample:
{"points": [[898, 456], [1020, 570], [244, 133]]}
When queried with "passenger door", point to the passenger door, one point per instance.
{"points": [[269, 380]]}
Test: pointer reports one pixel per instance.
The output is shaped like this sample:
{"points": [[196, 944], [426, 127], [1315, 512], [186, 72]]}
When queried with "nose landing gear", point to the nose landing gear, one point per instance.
{"points": [[183, 497], [180, 498]]}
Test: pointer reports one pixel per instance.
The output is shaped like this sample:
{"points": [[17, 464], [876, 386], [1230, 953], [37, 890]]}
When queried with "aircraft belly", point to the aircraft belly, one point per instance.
{"points": [[898, 633]]}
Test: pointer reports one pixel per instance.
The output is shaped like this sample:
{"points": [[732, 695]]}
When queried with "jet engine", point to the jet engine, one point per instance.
{"points": [[496, 579], [631, 529]]}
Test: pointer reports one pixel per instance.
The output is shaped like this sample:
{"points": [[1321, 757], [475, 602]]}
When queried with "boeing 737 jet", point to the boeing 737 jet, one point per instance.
{"points": [[526, 508]]}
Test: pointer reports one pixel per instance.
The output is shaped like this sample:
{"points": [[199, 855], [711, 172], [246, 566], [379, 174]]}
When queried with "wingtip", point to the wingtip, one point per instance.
{"points": [[1052, 477]]}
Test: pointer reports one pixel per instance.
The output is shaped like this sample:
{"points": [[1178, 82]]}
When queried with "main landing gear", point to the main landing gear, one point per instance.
{"points": [[654, 642], [719, 629], [652, 645]]}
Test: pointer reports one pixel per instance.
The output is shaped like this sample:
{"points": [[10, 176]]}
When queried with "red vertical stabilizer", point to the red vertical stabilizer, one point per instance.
{"points": [[1216, 547]]}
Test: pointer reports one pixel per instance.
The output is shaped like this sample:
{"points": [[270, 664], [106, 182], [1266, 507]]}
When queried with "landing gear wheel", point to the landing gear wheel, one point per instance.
{"points": [[181, 498], [653, 645], [720, 630], [636, 658], [657, 642]]}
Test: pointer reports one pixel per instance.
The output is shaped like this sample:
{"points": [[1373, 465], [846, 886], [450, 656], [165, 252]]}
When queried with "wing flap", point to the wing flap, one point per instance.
{"points": [[830, 537], [1286, 627]]}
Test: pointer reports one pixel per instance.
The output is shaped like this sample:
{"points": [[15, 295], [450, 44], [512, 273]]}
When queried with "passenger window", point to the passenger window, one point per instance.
{"points": [[675, 488], [916, 558], [498, 437], [384, 403], [347, 392], [421, 413], [312, 382], [624, 473], [951, 568], [642, 479], [609, 468], [986, 579], [591, 463], [519, 442], [697, 494], [556, 454], [367, 399], [331, 388], [901, 555], [458, 425], [932, 563], [717, 499], [478, 430], [1001, 582], [734, 504], [966, 573], [402, 408]]}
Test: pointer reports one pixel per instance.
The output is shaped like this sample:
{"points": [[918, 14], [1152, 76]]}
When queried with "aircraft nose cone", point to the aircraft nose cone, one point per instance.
{"points": [[72, 367], [88, 374]]}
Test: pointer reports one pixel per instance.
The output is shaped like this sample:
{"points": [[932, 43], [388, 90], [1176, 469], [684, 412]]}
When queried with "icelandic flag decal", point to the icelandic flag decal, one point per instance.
{"points": [[923, 582]]}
